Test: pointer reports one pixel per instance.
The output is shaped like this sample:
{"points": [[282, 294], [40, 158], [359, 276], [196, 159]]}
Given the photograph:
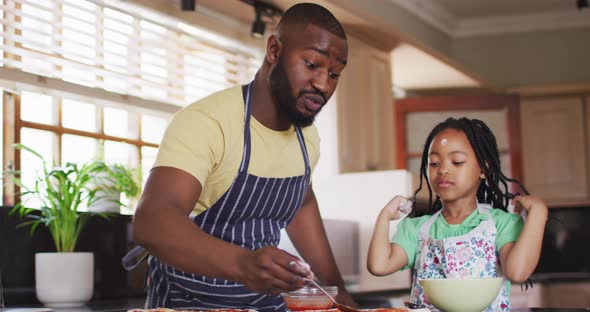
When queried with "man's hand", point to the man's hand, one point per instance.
{"points": [[270, 270]]}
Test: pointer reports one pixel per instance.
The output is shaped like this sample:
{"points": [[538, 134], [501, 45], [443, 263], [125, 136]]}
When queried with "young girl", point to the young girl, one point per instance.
{"points": [[467, 231]]}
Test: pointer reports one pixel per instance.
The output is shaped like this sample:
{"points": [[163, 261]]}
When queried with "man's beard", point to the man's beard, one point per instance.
{"points": [[281, 90]]}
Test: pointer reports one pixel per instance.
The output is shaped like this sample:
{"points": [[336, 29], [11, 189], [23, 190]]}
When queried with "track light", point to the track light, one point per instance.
{"points": [[262, 10], [258, 26], [188, 5]]}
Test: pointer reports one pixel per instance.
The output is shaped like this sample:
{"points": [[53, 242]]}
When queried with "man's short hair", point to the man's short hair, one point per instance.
{"points": [[303, 14]]}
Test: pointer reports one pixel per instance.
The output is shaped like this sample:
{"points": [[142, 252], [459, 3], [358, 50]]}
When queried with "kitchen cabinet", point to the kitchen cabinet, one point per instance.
{"points": [[532, 297], [555, 149], [364, 110], [567, 295], [575, 294]]}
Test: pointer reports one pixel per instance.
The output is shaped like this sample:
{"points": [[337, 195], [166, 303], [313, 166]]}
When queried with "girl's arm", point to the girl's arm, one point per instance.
{"points": [[521, 258], [385, 257]]}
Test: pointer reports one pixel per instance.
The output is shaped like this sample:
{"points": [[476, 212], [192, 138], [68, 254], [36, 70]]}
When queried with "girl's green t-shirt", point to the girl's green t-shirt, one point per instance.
{"points": [[508, 227]]}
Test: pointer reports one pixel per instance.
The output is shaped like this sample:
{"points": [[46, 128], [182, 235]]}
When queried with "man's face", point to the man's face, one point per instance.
{"points": [[306, 73]]}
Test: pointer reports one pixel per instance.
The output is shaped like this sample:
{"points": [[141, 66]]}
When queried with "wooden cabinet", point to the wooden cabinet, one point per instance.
{"points": [[532, 297], [567, 295], [551, 295], [364, 110], [555, 149]]}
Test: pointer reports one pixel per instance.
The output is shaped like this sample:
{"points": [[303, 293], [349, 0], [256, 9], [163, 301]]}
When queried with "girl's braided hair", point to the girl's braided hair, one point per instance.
{"points": [[494, 189]]}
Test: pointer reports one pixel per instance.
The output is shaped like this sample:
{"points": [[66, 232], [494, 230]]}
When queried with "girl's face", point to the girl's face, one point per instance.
{"points": [[453, 169]]}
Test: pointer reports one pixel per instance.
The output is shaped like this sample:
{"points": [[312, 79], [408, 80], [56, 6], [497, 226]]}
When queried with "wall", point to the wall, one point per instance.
{"points": [[359, 197]]}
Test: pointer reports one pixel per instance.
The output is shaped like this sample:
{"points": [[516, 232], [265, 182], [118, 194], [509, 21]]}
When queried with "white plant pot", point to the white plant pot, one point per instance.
{"points": [[64, 279]]}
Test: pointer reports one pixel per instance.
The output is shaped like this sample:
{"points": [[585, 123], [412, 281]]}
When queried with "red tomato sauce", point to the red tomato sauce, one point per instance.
{"points": [[308, 303]]}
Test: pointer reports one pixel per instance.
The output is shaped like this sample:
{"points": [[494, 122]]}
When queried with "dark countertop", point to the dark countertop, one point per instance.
{"points": [[121, 305], [549, 310]]}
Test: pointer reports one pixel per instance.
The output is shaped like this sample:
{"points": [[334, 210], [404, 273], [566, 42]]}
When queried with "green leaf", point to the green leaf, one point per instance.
{"points": [[63, 190]]}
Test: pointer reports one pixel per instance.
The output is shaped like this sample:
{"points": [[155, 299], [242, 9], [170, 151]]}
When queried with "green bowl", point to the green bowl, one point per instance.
{"points": [[461, 295]]}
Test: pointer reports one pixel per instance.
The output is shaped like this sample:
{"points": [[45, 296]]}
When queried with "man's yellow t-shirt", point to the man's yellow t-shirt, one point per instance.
{"points": [[206, 140]]}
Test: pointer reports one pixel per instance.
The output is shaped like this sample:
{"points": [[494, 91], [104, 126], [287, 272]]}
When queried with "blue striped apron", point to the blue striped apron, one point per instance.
{"points": [[250, 214]]}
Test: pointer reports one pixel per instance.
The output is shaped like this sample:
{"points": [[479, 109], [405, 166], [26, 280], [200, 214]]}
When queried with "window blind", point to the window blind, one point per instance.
{"points": [[122, 48]]}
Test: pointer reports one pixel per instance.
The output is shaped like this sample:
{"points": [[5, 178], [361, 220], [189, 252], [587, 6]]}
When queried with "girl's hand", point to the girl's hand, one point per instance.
{"points": [[396, 207], [528, 203]]}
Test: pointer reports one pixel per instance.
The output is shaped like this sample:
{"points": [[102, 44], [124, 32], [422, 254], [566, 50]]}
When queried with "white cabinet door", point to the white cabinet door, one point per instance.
{"points": [[554, 149]]}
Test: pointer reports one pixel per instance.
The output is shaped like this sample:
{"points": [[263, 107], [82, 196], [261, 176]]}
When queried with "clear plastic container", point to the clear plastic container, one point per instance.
{"points": [[309, 298]]}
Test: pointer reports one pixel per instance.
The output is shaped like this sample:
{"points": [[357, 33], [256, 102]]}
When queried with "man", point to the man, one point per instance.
{"points": [[241, 160]]}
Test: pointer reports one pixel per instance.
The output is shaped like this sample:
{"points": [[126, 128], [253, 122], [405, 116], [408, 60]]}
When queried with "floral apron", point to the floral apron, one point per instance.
{"points": [[472, 255]]}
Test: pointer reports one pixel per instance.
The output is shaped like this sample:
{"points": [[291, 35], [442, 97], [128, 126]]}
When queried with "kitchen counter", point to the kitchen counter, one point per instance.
{"points": [[548, 310], [137, 303], [121, 305]]}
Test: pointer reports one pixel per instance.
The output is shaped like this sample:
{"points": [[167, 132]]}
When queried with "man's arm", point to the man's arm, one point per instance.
{"points": [[307, 234], [161, 225]]}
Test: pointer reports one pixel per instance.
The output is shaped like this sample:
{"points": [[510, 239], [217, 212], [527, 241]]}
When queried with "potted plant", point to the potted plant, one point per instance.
{"points": [[65, 195], [118, 180]]}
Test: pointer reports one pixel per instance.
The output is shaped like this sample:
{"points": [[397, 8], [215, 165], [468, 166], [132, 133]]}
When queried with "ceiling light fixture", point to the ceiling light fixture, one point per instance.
{"points": [[188, 5], [582, 4], [262, 9], [258, 26]]}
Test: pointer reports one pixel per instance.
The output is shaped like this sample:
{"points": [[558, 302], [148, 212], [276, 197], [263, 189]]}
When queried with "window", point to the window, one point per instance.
{"points": [[83, 131], [121, 47], [113, 46]]}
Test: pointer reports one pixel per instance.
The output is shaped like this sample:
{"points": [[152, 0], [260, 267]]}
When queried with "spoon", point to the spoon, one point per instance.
{"points": [[303, 267], [341, 307]]}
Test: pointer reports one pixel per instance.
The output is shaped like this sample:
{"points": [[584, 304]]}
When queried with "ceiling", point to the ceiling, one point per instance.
{"points": [[464, 18], [468, 18], [454, 18], [414, 69], [476, 9], [456, 9]]}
